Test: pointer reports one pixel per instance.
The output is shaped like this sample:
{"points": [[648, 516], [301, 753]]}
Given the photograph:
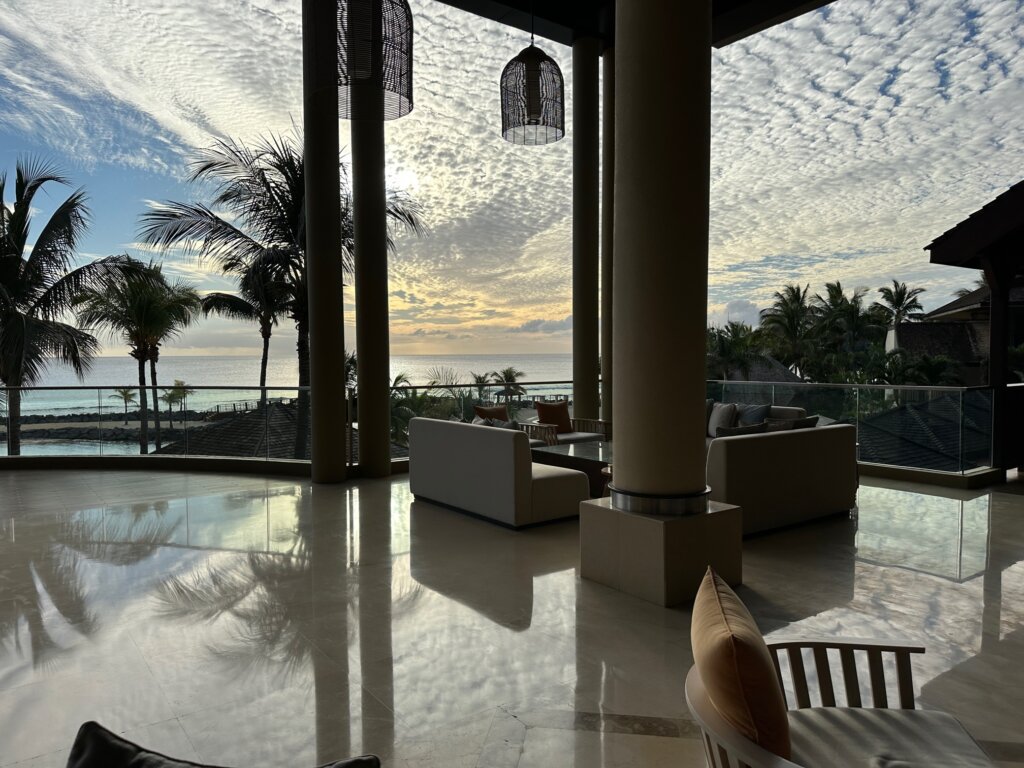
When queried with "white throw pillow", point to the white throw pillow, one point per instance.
{"points": [[722, 415]]}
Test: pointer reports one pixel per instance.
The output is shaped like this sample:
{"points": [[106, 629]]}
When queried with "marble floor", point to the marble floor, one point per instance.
{"points": [[268, 622]]}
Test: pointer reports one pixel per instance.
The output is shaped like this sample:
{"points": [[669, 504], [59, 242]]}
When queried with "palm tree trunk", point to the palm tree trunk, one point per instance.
{"points": [[13, 422], [143, 408], [126, 413], [302, 418], [156, 401], [263, 368]]}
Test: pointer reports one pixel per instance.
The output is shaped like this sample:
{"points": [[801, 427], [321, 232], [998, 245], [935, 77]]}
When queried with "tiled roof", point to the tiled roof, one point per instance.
{"points": [[254, 434], [927, 434], [958, 341]]}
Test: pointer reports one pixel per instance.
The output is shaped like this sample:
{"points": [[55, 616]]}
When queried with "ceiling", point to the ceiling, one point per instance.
{"points": [[567, 20]]}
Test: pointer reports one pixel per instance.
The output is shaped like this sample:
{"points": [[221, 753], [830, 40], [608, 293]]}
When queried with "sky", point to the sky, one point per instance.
{"points": [[843, 142]]}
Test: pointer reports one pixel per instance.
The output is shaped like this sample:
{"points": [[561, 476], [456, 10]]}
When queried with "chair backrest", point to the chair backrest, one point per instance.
{"points": [[724, 746]]}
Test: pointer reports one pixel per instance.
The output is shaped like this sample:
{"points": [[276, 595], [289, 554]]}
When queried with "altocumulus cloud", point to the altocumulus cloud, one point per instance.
{"points": [[843, 141]]}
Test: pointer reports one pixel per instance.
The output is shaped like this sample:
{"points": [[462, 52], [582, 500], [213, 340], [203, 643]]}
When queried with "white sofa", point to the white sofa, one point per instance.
{"points": [[782, 478], [487, 471]]}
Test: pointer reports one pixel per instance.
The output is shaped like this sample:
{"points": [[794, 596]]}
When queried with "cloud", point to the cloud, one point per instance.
{"points": [[544, 326], [843, 141], [737, 310]]}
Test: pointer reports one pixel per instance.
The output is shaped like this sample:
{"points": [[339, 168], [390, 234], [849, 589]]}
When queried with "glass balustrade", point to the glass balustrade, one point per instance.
{"points": [[946, 429]]}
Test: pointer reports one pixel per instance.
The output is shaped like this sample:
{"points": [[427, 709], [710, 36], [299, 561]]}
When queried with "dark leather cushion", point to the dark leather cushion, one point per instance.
{"points": [[96, 747]]}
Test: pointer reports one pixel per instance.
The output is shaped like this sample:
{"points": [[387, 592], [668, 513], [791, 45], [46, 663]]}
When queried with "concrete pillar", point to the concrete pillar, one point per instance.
{"points": [[607, 231], [585, 268], [369, 219], [323, 239], [662, 169]]}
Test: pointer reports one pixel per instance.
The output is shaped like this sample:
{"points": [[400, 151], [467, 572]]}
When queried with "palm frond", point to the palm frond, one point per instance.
{"points": [[199, 232], [230, 306]]}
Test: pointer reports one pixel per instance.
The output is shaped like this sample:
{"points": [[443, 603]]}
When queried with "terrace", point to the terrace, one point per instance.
{"points": [[269, 620]]}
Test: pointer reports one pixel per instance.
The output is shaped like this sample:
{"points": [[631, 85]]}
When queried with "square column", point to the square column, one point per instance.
{"points": [[659, 558]]}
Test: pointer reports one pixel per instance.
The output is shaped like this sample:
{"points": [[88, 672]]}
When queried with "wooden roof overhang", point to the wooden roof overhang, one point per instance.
{"points": [[567, 20], [994, 232]]}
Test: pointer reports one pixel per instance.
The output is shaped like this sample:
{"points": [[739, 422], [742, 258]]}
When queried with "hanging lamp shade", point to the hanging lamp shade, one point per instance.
{"points": [[374, 59], [532, 99]]}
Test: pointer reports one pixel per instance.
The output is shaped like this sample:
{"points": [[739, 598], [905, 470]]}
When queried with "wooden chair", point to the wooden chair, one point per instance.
{"points": [[726, 747], [549, 432]]}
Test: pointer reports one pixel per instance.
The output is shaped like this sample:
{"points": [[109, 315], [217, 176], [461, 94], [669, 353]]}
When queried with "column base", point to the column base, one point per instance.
{"points": [[656, 504], [658, 558]]}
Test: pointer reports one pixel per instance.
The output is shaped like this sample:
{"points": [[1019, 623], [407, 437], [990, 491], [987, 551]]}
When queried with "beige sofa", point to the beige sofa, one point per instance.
{"points": [[487, 472], [782, 478]]}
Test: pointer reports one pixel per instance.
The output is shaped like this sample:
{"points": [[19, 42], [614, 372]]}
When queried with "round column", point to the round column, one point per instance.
{"points": [[369, 221], [585, 52], [323, 240], [662, 161], [607, 230]]}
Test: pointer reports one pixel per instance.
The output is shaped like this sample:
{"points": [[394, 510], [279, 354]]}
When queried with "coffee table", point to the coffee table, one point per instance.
{"points": [[590, 458]]}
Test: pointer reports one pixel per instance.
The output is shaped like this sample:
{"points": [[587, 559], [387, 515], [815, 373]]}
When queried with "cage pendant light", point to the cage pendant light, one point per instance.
{"points": [[374, 59], [532, 98]]}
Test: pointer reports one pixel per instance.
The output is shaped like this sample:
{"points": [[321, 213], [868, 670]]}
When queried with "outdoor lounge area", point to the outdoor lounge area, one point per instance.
{"points": [[265, 621]]}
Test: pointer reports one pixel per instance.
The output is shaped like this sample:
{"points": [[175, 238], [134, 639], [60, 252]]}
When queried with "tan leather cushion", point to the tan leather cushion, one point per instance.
{"points": [[736, 667], [882, 738], [491, 412], [555, 413]]}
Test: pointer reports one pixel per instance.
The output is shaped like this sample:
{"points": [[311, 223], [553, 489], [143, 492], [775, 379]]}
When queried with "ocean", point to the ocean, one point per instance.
{"points": [[242, 375]]}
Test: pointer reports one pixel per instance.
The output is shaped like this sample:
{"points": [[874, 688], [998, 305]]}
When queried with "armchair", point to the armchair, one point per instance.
{"points": [[750, 718]]}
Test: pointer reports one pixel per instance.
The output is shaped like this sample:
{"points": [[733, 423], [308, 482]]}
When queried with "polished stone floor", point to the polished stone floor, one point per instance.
{"points": [[266, 622]]}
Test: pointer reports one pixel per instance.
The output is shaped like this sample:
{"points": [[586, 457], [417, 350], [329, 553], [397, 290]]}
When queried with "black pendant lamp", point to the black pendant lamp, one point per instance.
{"points": [[532, 98], [374, 59]]}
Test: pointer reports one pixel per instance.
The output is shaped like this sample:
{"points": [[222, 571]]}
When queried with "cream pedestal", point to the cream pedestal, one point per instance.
{"points": [[660, 559]]}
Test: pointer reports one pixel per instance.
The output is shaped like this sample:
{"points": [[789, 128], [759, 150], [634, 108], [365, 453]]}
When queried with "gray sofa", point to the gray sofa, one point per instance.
{"points": [[488, 472], [782, 478]]}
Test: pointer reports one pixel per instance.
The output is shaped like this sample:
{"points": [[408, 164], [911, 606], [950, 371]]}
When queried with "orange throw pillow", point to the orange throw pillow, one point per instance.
{"points": [[557, 414], [492, 412], [736, 666]]}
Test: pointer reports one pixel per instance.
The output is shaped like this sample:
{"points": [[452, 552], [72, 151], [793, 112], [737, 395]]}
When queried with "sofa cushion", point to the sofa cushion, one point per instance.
{"points": [[748, 429], [778, 425], [96, 747], [722, 415], [805, 423], [751, 414], [491, 411], [882, 738], [736, 667], [555, 413]]}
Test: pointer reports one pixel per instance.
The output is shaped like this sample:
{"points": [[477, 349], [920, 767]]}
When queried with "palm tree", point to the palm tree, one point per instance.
{"points": [[262, 298], [38, 285], [263, 188], [127, 396], [898, 305], [144, 310], [788, 321], [508, 379], [732, 349], [351, 370], [980, 282], [480, 381], [843, 331]]}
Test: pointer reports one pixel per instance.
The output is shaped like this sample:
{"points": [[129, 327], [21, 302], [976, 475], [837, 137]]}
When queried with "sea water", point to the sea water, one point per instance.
{"points": [[241, 374]]}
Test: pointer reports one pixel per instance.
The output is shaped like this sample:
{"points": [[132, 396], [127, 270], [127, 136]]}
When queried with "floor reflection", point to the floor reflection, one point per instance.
{"points": [[269, 622]]}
